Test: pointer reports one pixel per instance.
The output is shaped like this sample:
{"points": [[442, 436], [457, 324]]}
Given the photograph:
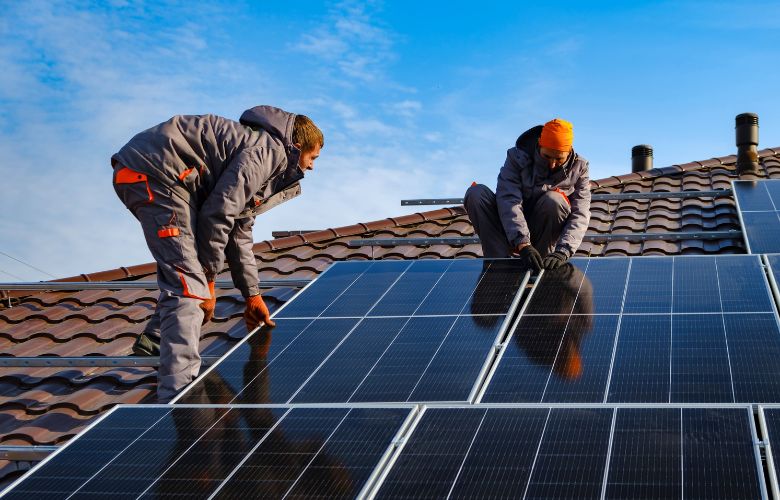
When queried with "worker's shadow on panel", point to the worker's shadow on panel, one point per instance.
{"points": [[563, 308], [238, 432]]}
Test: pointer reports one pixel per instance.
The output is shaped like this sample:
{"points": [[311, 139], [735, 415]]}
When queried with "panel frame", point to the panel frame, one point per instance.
{"points": [[502, 346], [739, 214], [767, 443]]}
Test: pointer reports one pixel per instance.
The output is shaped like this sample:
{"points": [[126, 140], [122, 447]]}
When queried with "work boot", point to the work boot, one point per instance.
{"points": [[146, 346]]}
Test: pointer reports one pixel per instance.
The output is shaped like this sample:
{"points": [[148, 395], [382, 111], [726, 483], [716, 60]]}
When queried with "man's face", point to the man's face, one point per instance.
{"points": [[553, 157], [306, 159]]}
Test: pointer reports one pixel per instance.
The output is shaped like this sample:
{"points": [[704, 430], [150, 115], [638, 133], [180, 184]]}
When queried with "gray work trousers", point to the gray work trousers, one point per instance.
{"points": [[545, 221], [168, 223]]}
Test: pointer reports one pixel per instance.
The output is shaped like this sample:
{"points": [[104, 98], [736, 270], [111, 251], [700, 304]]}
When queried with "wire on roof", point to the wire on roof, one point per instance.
{"points": [[11, 275], [28, 265]]}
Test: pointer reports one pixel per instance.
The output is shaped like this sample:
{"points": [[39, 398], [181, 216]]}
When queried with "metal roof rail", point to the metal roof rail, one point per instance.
{"points": [[591, 237], [26, 453], [651, 195], [130, 285], [88, 361]]}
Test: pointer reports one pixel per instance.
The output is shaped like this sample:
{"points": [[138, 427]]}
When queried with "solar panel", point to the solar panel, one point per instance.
{"points": [[221, 451], [564, 452], [758, 203], [667, 329], [378, 331]]}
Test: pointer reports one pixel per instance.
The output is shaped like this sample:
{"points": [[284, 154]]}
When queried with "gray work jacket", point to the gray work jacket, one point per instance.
{"points": [[229, 172], [525, 177]]}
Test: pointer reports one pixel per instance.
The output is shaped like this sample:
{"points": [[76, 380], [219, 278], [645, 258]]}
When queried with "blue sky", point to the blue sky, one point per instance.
{"points": [[416, 99]]}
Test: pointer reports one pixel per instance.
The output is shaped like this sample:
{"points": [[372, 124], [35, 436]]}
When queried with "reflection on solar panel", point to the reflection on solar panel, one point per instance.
{"points": [[382, 331], [759, 209], [579, 453], [770, 424], [669, 329], [222, 451]]}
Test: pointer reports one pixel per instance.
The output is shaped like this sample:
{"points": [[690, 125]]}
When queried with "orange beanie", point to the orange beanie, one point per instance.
{"points": [[557, 134]]}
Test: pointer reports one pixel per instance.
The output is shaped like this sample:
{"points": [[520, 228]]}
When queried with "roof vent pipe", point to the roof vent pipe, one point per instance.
{"points": [[747, 143], [641, 158]]}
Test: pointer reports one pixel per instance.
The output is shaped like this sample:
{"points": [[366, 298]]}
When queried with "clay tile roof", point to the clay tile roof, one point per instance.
{"points": [[50, 405]]}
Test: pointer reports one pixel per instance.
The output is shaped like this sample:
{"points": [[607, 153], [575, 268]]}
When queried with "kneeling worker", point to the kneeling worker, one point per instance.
{"points": [[196, 183], [541, 207]]}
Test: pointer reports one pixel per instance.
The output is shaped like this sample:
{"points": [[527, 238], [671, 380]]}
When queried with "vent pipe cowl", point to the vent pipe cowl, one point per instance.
{"points": [[641, 158], [747, 143]]}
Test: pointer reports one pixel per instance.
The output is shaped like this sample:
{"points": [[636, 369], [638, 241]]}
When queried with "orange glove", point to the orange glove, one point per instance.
{"points": [[209, 305], [256, 312]]}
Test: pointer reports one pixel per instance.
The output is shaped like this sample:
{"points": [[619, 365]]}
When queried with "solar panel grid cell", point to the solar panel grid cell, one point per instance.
{"points": [[759, 202]]}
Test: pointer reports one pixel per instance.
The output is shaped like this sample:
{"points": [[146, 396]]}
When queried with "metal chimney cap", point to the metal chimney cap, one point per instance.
{"points": [[642, 150], [746, 119]]}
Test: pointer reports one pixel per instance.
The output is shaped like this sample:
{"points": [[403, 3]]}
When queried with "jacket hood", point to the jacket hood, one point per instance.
{"points": [[275, 121]]}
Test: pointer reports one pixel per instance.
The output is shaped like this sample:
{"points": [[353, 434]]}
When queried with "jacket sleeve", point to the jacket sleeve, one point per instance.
{"points": [[241, 258], [240, 180], [577, 222], [509, 199]]}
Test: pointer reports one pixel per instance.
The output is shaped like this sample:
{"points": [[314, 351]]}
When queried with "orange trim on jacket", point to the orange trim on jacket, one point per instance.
{"points": [[560, 191], [186, 289], [127, 176]]}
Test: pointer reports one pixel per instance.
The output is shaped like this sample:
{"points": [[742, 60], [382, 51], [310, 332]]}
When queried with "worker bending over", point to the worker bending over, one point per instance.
{"points": [[196, 183], [541, 207]]}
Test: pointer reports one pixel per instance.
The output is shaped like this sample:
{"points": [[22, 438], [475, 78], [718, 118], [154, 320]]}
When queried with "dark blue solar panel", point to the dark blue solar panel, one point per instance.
{"points": [[320, 294], [197, 452], [753, 196], [452, 292], [367, 289], [718, 456], [754, 352], [649, 286], [572, 455], [695, 288], [259, 372], [607, 278], [772, 420], [762, 230], [587, 337], [431, 460], [700, 360], [410, 290], [646, 458], [743, 284], [642, 360], [557, 291]]}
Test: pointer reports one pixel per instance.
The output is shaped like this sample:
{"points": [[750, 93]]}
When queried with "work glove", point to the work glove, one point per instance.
{"points": [[209, 305], [555, 260], [531, 258], [256, 312]]}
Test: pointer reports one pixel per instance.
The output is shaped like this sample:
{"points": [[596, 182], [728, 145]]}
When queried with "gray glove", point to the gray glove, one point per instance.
{"points": [[555, 260], [531, 258]]}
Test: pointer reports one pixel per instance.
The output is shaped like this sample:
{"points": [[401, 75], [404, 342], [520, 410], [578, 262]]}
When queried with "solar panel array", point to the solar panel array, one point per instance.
{"points": [[759, 209], [384, 331], [645, 330], [615, 378]]}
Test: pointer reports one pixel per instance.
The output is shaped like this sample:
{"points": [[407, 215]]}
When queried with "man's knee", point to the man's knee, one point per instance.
{"points": [[552, 204], [479, 197]]}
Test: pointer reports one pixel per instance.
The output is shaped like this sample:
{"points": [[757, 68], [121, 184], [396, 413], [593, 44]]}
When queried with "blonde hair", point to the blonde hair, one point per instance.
{"points": [[306, 133]]}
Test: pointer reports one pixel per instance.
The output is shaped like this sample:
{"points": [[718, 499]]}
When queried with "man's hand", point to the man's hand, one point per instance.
{"points": [[209, 305], [256, 312], [555, 260], [530, 257]]}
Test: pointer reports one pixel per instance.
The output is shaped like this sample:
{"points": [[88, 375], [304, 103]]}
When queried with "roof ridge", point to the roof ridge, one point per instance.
{"points": [[677, 168]]}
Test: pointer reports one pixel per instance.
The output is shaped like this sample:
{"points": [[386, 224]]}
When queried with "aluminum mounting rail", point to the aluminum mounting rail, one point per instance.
{"points": [[592, 237], [88, 361], [129, 285], [652, 195], [26, 453]]}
